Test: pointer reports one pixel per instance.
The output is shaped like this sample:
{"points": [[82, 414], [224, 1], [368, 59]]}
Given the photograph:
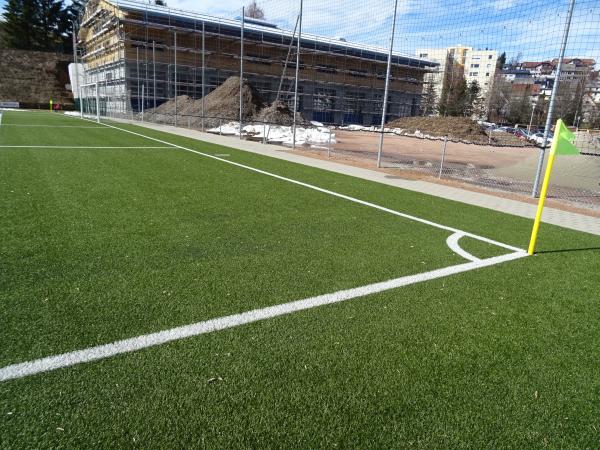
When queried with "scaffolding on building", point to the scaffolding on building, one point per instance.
{"points": [[129, 46]]}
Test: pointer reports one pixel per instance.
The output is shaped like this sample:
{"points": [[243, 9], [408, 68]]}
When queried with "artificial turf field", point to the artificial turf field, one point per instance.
{"points": [[107, 235]]}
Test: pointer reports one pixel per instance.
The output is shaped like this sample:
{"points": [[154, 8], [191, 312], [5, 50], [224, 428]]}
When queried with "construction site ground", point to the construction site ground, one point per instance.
{"points": [[517, 163]]}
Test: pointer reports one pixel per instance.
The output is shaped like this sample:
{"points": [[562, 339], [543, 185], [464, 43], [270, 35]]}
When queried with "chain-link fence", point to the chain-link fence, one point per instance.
{"points": [[466, 92]]}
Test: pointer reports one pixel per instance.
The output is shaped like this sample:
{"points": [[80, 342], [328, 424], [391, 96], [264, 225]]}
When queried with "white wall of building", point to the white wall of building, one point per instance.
{"points": [[479, 65]]}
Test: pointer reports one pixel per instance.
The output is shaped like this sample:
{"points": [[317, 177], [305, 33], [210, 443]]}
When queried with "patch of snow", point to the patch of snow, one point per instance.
{"points": [[278, 134]]}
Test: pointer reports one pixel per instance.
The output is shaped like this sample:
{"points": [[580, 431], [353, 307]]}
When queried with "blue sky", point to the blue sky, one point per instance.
{"points": [[532, 28]]}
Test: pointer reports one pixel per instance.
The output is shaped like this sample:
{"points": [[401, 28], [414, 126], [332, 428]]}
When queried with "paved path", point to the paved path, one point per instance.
{"points": [[579, 222]]}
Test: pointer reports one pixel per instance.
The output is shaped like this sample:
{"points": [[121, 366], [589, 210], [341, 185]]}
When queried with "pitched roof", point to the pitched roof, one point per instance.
{"points": [[589, 62], [530, 64]]}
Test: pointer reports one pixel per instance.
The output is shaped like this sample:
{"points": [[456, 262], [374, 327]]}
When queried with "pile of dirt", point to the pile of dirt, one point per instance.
{"points": [[223, 105], [456, 128], [185, 105], [224, 101], [461, 129], [278, 113]]}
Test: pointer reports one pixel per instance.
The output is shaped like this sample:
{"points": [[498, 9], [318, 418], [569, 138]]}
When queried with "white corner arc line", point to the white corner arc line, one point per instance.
{"points": [[326, 191], [49, 363], [452, 242]]}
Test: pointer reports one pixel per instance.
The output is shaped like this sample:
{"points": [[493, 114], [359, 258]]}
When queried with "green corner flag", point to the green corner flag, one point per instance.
{"points": [[562, 144], [564, 140]]}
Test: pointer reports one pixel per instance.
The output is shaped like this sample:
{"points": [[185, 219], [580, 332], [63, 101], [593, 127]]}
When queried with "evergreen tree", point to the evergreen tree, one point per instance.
{"points": [[454, 100], [2, 43], [501, 61], [20, 27], [458, 102], [45, 25], [474, 103], [428, 105], [50, 25]]}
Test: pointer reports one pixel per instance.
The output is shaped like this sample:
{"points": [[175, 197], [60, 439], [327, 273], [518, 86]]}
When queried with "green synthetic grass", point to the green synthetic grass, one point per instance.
{"points": [[102, 244]]}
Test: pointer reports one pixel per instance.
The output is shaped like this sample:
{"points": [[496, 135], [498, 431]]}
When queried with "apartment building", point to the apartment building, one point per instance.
{"points": [[476, 65]]}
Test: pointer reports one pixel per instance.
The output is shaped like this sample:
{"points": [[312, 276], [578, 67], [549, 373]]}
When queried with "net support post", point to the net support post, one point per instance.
{"points": [[443, 156], [97, 101], [242, 68], [387, 85], [549, 118], [294, 124], [175, 71], [143, 85]]}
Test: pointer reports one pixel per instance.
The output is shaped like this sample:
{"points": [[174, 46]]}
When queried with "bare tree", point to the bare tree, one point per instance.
{"points": [[254, 11], [499, 99]]}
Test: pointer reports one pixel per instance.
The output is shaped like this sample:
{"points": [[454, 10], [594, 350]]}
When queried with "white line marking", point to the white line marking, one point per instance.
{"points": [[326, 191], [222, 323], [1, 119], [452, 242], [68, 146], [46, 126]]}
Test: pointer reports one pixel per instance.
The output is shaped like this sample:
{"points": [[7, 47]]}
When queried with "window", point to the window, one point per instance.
{"points": [[474, 66], [324, 99], [423, 55], [487, 74], [473, 74], [476, 58], [490, 56]]}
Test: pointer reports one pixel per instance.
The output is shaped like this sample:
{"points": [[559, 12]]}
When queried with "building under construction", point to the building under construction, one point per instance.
{"points": [[138, 56]]}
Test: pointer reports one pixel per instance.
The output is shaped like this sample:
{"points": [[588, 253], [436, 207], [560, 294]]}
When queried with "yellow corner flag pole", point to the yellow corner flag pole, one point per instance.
{"points": [[562, 144], [543, 193]]}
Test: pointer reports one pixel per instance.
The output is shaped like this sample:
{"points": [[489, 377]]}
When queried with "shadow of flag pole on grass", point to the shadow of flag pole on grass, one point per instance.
{"points": [[562, 144]]}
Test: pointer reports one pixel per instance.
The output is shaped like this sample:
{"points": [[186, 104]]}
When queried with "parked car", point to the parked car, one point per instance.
{"points": [[501, 130], [523, 134], [538, 138]]}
